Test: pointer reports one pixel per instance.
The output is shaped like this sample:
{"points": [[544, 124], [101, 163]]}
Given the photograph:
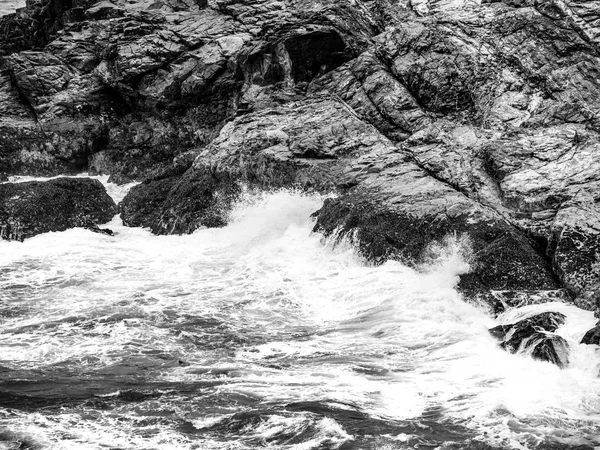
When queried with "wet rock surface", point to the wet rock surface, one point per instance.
{"points": [[499, 301], [178, 205], [300, 144], [535, 336], [592, 336], [35, 207], [427, 118]]}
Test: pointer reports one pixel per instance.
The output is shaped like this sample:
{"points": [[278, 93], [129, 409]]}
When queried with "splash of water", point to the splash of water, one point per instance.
{"points": [[262, 333]]}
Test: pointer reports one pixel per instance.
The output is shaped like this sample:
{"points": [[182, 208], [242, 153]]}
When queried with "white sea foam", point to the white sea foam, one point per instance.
{"points": [[272, 314], [117, 192]]}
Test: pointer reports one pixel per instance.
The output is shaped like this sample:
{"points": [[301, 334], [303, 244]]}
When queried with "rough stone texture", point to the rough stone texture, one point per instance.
{"points": [[177, 205], [427, 118], [503, 102], [146, 81], [535, 336], [35, 207], [592, 336], [368, 86], [298, 144], [499, 301]]}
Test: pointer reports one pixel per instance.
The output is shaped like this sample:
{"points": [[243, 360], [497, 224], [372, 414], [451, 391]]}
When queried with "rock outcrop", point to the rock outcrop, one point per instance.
{"points": [[427, 118], [478, 91], [125, 87], [592, 336], [35, 207], [301, 144], [535, 336]]}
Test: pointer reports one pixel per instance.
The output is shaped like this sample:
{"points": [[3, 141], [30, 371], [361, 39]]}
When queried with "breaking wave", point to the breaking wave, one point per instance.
{"points": [[264, 334]]}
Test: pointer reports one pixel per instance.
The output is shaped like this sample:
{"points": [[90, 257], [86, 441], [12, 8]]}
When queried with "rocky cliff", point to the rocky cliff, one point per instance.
{"points": [[427, 117]]}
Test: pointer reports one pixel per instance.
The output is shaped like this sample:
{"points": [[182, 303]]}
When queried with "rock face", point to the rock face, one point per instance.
{"points": [[298, 144], [427, 118], [535, 336], [34, 207]]}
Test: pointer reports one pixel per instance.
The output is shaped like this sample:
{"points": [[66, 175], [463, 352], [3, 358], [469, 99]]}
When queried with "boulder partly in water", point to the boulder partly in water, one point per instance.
{"points": [[592, 336], [535, 336], [34, 207]]}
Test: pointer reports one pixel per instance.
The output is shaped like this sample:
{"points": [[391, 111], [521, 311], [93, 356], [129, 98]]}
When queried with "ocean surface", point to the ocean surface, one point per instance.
{"points": [[263, 334]]}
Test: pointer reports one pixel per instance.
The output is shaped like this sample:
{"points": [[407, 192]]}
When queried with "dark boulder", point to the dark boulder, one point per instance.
{"points": [[178, 205], [554, 349], [548, 321], [592, 336], [535, 336], [35, 207]]}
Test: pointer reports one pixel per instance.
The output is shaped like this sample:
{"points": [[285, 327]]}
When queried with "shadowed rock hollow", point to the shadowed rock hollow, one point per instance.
{"points": [[427, 118]]}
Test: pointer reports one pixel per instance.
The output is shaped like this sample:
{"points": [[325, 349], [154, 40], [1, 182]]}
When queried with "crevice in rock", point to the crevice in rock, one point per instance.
{"points": [[81, 162], [545, 247], [316, 53], [388, 64], [24, 100], [406, 128], [437, 177], [119, 103], [490, 167]]}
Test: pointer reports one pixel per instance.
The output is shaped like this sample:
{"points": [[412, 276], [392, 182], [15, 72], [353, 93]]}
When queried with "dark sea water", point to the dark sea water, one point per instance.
{"points": [[263, 335]]}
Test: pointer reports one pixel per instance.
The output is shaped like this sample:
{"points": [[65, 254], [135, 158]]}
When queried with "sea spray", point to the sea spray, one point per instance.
{"points": [[262, 334]]}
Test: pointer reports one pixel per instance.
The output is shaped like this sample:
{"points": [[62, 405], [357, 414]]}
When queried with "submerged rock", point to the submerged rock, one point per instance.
{"points": [[535, 336], [35, 207]]}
